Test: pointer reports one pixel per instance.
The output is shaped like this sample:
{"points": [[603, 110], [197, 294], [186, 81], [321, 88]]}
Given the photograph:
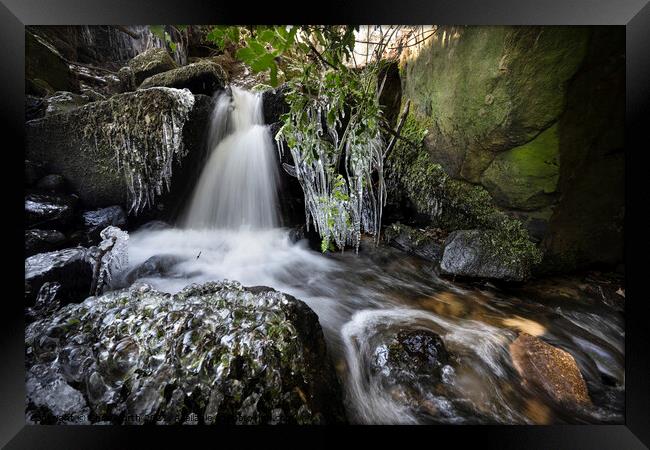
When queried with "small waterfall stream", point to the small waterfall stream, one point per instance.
{"points": [[238, 185], [231, 231]]}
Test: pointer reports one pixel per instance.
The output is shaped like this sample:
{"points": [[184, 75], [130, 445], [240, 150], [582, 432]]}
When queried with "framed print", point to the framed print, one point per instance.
{"points": [[374, 219]]}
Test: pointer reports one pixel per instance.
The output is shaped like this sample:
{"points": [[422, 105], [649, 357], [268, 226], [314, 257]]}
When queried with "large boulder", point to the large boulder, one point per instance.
{"points": [[482, 254], [489, 89], [204, 77], [217, 353], [120, 151], [549, 370], [45, 68]]}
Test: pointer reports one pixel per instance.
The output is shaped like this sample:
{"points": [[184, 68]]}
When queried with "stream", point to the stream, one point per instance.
{"points": [[231, 231]]}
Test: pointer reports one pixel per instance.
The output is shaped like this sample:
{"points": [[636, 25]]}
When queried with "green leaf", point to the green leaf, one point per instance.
{"points": [[158, 31]]}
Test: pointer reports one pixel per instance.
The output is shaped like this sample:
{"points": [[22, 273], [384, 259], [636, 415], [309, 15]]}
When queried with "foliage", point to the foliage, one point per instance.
{"points": [[333, 127]]}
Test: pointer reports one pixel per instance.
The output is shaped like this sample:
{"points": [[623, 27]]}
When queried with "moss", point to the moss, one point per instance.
{"points": [[522, 177], [489, 89], [452, 204]]}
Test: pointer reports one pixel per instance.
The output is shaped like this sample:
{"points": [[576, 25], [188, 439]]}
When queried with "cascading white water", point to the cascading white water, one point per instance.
{"points": [[238, 185]]}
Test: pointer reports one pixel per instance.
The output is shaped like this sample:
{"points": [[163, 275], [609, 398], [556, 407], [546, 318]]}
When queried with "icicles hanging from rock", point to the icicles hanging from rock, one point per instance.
{"points": [[145, 148]]}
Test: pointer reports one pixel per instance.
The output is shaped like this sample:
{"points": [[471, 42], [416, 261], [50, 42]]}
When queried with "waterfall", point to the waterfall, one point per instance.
{"points": [[238, 185]]}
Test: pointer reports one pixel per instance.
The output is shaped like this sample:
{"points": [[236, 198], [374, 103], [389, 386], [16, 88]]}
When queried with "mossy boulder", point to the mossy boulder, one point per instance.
{"points": [[483, 254], [489, 89], [45, 68], [121, 151], [204, 77], [217, 353], [424, 243], [526, 177], [146, 64]]}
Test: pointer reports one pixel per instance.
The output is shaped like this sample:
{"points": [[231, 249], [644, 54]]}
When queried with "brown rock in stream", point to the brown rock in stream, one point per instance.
{"points": [[550, 369]]}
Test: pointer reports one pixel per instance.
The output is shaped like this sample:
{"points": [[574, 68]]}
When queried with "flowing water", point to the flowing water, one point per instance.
{"points": [[231, 232]]}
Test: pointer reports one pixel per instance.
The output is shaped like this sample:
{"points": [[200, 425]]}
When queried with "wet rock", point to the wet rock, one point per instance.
{"points": [[63, 101], [45, 210], [203, 77], [148, 63], [72, 267], [34, 171], [96, 221], [52, 183], [34, 107], [411, 356], [550, 370], [156, 266], [426, 245], [216, 353], [40, 241], [47, 301], [274, 104], [479, 254], [154, 225], [110, 158]]}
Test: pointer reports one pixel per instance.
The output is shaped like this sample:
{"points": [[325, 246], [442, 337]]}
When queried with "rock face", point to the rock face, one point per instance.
{"points": [[45, 68], [118, 151], [48, 210], [215, 354], [414, 241], [52, 183], [40, 241], [535, 116], [274, 104], [550, 370], [203, 77], [478, 254]]}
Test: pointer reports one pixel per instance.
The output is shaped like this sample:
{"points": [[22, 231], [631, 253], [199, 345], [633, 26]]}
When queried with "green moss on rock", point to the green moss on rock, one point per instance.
{"points": [[523, 177], [489, 89]]}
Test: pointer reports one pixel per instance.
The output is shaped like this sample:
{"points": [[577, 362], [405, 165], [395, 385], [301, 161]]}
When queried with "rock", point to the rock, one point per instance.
{"points": [[96, 221], [64, 102], [40, 241], [203, 77], [550, 370], [49, 210], [34, 171], [482, 254], [153, 225], [52, 183], [72, 267], [121, 151], [34, 107], [519, 90], [410, 356], [215, 353], [274, 104], [156, 266], [44, 66], [148, 63], [415, 241], [47, 301], [525, 177]]}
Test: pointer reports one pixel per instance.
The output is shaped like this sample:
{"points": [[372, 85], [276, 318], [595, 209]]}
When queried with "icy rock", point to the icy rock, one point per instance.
{"points": [[118, 151], [48, 210], [213, 353], [99, 219], [39, 241]]}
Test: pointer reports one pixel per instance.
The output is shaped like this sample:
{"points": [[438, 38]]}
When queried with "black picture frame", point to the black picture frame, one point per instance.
{"points": [[634, 15]]}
